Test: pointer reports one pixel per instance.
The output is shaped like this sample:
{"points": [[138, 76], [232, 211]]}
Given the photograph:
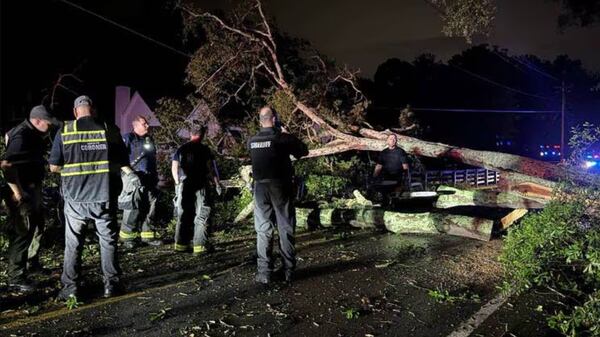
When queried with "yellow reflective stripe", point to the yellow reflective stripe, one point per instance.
{"points": [[90, 140], [104, 162], [66, 127], [80, 173], [199, 249], [125, 235], [180, 248], [73, 133], [147, 235], [75, 125]]}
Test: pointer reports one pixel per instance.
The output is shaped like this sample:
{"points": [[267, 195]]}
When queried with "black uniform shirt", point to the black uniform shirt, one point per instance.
{"points": [[392, 161], [194, 159], [270, 152], [144, 148], [117, 157], [25, 151]]}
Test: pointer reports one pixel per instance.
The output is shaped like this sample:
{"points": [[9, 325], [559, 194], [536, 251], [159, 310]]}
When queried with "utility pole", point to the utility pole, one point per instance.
{"points": [[562, 122]]}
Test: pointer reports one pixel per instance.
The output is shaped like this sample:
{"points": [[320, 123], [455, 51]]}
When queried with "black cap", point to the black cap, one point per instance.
{"points": [[40, 112]]}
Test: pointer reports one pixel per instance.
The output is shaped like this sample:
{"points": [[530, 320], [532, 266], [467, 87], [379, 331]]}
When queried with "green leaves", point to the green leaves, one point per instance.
{"points": [[72, 302], [351, 313]]}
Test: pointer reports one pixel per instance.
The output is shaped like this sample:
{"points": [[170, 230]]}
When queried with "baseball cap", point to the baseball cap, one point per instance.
{"points": [[82, 100], [40, 112]]}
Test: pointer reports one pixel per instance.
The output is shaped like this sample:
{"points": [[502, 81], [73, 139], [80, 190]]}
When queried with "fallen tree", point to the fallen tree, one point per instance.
{"points": [[397, 222], [244, 59], [449, 197]]}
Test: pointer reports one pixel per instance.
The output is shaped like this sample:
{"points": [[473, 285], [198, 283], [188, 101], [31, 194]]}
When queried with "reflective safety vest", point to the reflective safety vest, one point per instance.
{"points": [[85, 173]]}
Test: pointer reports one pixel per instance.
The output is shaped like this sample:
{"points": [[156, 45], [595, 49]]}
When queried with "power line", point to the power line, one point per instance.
{"points": [[498, 111], [503, 58], [526, 64], [491, 111], [505, 87], [162, 44]]}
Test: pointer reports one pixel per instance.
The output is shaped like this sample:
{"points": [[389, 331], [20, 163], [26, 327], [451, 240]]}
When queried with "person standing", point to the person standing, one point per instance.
{"points": [[89, 154], [272, 170], [193, 167], [392, 165], [24, 168], [142, 158]]}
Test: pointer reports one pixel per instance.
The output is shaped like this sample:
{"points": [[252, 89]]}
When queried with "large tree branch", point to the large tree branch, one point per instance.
{"points": [[214, 74]]}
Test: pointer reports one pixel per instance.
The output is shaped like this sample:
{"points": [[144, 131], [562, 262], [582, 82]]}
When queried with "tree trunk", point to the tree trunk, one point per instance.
{"points": [[453, 197], [514, 169], [397, 222], [503, 162]]}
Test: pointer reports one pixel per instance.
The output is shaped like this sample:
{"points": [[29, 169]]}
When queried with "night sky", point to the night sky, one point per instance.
{"points": [[366, 33], [40, 39]]}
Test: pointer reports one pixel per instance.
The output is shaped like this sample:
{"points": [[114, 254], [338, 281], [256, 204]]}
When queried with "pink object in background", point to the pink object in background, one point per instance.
{"points": [[128, 107]]}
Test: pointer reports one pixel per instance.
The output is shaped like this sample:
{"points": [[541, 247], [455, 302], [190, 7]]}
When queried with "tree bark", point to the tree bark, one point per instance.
{"points": [[503, 162], [453, 197], [397, 222]]}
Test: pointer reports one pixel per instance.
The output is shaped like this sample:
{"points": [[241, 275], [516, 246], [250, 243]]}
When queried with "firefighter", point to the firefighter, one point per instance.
{"points": [[272, 170], [24, 168], [89, 154], [193, 168], [142, 206]]}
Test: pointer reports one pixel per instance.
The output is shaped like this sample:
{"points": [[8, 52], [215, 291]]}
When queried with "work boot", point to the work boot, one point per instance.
{"points": [[22, 285], [129, 244], [112, 289], [179, 248], [34, 267], [66, 292], [199, 250], [289, 276], [264, 279], [153, 242]]}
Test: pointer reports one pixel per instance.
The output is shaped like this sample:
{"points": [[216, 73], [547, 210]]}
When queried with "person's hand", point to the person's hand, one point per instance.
{"points": [[283, 129], [23, 203], [20, 198]]}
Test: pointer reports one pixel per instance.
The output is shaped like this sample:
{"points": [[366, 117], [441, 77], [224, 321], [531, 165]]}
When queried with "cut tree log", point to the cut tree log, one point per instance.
{"points": [[512, 217], [533, 190], [453, 197], [245, 213], [397, 222]]}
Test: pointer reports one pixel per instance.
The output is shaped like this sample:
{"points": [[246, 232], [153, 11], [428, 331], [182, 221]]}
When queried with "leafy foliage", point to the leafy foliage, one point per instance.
{"points": [[226, 211], [581, 13], [466, 18], [559, 249], [72, 302], [327, 177], [351, 313]]}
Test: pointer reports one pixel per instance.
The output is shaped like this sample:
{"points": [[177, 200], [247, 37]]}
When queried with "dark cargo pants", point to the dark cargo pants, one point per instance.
{"points": [[193, 211], [273, 206], [26, 223], [105, 219], [144, 214]]}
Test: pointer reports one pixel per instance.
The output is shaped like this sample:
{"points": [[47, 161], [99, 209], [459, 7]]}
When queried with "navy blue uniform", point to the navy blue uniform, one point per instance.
{"points": [[272, 171], [142, 157]]}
